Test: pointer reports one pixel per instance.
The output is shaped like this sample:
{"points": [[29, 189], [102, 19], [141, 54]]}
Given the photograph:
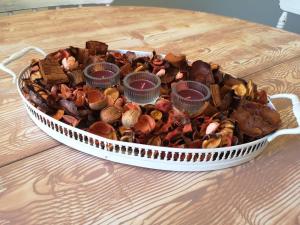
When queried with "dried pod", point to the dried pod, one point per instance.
{"points": [[212, 128], [66, 92], [130, 118], [212, 142], [148, 108], [132, 105], [127, 138], [119, 103], [163, 105], [96, 99], [145, 124], [59, 114], [174, 134], [69, 107], [215, 94], [230, 80], [175, 60], [187, 128], [226, 131], [161, 72], [194, 144], [156, 114], [36, 75], [79, 98], [69, 63], [139, 68], [103, 129], [179, 75], [156, 141], [250, 89], [226, 140], [71, 120], [112, 92], [214, 66], [125, 131], [110, 114], [227, 124], [262, 97], [239, 89]]}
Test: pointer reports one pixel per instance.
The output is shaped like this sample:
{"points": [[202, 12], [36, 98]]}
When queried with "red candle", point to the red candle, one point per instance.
{"points": [[142, 84], [191, 94], [103, 74]]}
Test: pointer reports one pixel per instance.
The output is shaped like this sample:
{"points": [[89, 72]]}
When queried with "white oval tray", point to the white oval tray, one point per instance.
{"points": [[154, 157]]}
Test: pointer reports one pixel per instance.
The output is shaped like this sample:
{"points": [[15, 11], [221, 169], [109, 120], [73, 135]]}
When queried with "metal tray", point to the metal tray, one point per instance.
{"points": [[154, 157]]}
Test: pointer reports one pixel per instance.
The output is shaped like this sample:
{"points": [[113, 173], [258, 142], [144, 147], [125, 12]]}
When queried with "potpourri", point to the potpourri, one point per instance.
{"points": [[236, 113]]}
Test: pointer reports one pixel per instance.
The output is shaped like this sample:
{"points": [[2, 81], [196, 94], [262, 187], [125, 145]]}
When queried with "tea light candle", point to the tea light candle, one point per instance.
{"points": [[102, 74], [141, 87], [189, 96]]}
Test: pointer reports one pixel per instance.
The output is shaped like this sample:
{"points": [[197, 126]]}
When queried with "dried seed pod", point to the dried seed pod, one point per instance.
{"points": [[139, 68], [212, 142], [130, 118], [103, 129], [187, 128], [148, 108], [226, 140], [156, 141], [71, 120], [214, 66], [145, 124], [132, 105], [175, 60], [226, 131], [119, 103], [161, 72], [124, 130], [227, 124], [250, 89], [36, 75], [112, 92], [212, 128], [96, 99], [239, 89], [59, 114], [127, 138], [215, 94], [110, 114], [163, 105], [79, 97], [156, 114]]}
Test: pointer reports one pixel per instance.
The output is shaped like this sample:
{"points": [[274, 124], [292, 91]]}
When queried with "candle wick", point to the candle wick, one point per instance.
{"points": [[143, 85]]}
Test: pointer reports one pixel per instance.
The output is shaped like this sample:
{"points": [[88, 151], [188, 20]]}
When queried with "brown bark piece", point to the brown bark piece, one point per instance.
{"points": [[52, 72], [76, 77], [96, 47]]}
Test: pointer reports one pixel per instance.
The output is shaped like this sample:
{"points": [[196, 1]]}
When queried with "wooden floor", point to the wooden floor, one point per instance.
{"points": [[42, 181]]}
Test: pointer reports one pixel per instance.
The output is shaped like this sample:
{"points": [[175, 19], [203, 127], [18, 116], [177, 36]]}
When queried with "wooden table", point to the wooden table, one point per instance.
{"points": [[44, 182]]}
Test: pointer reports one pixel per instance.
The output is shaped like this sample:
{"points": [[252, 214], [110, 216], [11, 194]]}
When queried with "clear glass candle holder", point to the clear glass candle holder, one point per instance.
{"points": [[189, 96], [141, 87], [102, 74]]}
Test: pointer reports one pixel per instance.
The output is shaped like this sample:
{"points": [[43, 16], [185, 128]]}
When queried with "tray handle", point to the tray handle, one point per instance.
{"points": [[16, 56], [296, 111]]}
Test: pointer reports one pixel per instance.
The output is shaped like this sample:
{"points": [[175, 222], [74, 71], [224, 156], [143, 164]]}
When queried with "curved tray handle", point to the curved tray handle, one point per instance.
{"points": [[296, 110], [16, 56]]}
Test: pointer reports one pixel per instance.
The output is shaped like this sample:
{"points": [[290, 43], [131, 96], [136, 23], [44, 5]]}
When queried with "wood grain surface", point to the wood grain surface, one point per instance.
{"points": [[42, 181]]}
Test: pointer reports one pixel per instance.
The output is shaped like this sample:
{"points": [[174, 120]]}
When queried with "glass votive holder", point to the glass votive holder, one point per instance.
{"points": [[189, 96], [102, 74], [142, 87]]}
